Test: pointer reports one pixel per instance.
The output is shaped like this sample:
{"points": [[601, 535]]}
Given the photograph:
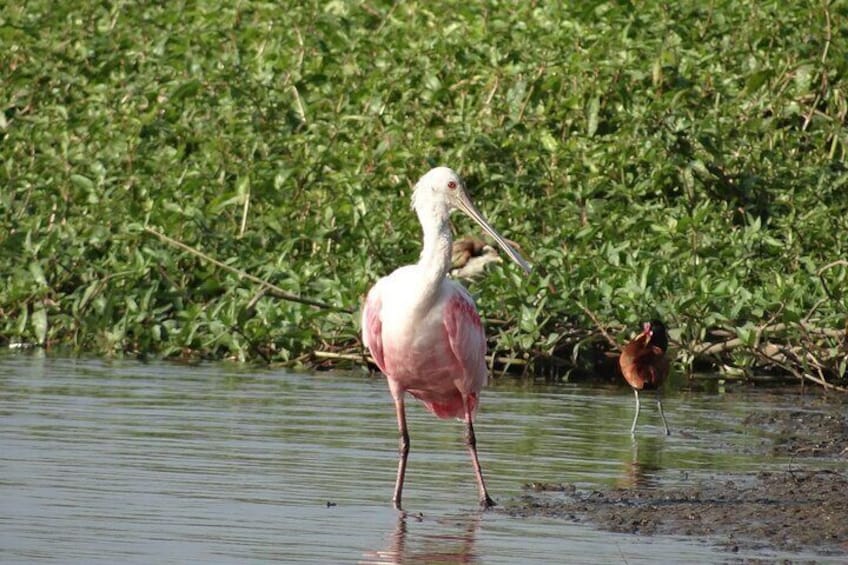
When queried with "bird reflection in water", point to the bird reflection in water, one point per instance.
{"points": [[419, 546], [642, 471]]}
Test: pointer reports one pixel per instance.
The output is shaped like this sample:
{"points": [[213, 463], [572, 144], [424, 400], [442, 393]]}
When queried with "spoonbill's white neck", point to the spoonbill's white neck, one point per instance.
{"points": [[435, 260]]}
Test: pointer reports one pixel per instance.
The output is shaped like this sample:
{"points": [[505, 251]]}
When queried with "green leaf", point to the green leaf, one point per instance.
{"points": [[82, 182], [549, 142], [592, 116], [185, 90], [757, 79], [37, 273], [39, 325]]}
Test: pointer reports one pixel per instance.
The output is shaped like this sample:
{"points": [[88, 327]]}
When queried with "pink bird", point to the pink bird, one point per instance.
{"points": [[423, 329]]}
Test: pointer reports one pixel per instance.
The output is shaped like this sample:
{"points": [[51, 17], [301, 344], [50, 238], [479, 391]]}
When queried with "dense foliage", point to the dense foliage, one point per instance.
{"points": [[676, 159]]}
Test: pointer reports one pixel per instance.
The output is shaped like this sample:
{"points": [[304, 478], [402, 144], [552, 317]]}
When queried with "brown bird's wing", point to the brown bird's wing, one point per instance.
{"points": [[643, 367]]}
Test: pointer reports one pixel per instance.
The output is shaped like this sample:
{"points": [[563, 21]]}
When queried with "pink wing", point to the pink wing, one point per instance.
{"points": [[467, 340], [372, 328]]}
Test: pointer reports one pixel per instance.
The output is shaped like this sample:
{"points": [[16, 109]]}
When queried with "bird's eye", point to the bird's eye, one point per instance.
{"points": [[452, 185]]}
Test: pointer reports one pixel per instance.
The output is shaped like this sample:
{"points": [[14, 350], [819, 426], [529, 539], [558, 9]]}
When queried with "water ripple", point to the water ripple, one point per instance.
{"points": [[118, 461]]}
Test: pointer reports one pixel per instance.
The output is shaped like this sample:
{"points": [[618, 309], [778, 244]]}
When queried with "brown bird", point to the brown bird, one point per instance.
{"points": [[470, 255], [644, 364], [464, 248]]}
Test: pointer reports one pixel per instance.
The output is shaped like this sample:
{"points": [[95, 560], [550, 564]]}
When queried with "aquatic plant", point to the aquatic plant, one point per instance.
{"points": [[676, 160]]}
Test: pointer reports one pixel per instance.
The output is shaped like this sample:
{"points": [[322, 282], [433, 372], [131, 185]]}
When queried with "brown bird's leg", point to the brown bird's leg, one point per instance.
{"points": [[636, 416], [403, 451], [659, 405], [471, 442]]}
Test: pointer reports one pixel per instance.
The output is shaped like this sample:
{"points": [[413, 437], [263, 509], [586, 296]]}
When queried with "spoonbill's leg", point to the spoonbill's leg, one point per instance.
{"points": [[471, 442], [403, 451]]}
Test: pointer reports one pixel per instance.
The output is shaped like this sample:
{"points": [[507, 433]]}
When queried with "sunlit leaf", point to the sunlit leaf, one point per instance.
{"points": [[39, 325]]}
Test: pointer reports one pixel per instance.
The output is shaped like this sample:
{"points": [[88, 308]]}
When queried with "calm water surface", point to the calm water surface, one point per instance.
{"points": [[123, 462]]}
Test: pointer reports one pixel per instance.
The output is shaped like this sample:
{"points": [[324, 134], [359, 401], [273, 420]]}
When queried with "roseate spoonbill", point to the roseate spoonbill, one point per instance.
{"points": [[644, 364], [423, 329], [469, 257]]}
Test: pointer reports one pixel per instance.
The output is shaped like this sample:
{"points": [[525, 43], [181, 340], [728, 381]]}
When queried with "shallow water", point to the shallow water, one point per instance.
{"points": [[119, 461]]}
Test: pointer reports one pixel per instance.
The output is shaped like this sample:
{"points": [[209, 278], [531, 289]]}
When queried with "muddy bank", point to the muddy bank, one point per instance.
{"points": [[800, 508], [806, 434]]}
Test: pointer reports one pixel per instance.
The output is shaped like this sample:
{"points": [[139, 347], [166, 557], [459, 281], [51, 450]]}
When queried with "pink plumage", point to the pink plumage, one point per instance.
{"points": [[441, 359]]}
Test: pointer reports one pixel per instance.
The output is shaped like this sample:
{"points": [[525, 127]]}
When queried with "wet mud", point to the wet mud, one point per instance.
{"points": [[802, 506]]}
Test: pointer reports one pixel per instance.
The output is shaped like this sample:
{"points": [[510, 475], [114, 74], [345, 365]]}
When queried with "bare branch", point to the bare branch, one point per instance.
{"points": [[273, 289], [600, 326]]}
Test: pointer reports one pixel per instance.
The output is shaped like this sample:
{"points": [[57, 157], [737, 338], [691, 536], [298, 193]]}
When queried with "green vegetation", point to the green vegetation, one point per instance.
{"points": [[685, 160]]}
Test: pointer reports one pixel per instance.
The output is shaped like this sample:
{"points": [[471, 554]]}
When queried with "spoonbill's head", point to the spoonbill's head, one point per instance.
{"points": [[440, 191]]}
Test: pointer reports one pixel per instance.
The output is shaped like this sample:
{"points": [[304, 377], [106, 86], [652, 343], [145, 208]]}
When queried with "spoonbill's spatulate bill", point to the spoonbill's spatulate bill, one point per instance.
{"points": [[645, 366], [423, 329]]}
